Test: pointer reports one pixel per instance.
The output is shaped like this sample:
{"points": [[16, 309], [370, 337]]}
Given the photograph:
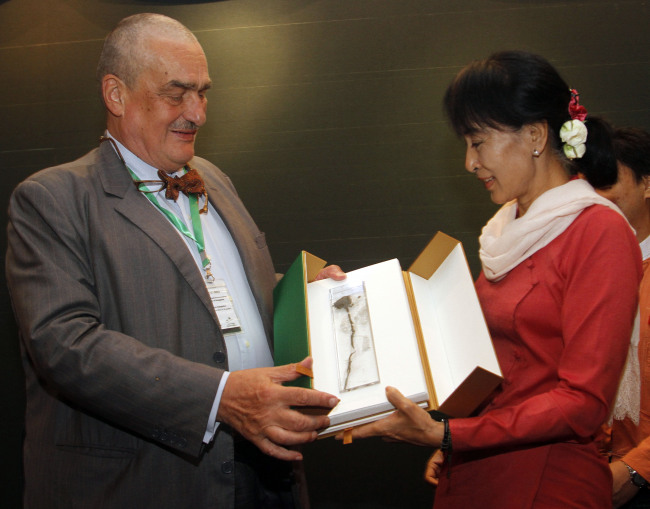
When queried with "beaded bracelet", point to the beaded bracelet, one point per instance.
{"points": [[445, 445]]}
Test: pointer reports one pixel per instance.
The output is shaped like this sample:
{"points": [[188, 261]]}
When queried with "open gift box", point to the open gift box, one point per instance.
{"points": [[421, 331]]}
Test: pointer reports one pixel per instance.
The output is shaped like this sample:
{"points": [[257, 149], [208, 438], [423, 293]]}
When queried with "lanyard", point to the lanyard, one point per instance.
{"points": [[196, 235]]}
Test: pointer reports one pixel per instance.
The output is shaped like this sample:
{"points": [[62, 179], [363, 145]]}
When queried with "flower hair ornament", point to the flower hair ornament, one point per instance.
{"points": [[574, 132]]}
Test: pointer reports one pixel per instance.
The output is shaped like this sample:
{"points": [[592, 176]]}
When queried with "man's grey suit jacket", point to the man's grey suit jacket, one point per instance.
{"points": [[121, 346]]}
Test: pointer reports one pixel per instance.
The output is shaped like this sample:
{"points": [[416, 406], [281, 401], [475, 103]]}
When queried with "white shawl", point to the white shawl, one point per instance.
{"points": [[507, 240]]}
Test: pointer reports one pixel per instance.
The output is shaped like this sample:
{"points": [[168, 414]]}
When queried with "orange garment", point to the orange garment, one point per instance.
{"points": [[629, 442]]}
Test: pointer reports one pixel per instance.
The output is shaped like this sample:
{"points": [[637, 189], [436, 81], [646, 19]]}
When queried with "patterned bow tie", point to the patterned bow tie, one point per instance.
{"points": [[190, 183]]}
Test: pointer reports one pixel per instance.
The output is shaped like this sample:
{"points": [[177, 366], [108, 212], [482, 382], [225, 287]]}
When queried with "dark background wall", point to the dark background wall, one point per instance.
{"points": [[326, 114]]}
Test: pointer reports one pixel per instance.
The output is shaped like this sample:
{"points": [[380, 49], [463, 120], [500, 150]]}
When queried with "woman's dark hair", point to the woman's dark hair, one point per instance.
{"points": [[511, 89], [598, 165], [632, 148]]}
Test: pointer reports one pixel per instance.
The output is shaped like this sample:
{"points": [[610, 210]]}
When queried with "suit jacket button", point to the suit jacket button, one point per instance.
{"points": [[227, 467], [219, 357]]}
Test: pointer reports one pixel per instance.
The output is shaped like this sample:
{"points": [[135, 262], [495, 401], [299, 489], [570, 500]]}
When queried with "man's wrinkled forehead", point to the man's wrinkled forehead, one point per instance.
{"points": [[180, 64]]}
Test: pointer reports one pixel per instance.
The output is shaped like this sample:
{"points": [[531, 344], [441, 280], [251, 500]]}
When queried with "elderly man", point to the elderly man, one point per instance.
{"points": [[630, 437], [143, 293]]}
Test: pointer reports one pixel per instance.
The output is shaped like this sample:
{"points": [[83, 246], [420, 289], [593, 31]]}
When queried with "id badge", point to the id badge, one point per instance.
{"points": [[223, 306]]}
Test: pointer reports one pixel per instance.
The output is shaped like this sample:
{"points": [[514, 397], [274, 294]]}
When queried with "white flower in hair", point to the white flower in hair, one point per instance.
{"points": [[574, 135]]}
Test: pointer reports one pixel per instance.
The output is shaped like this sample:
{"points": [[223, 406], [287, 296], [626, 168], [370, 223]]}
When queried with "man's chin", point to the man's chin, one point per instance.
{"points": [[182, 157]]}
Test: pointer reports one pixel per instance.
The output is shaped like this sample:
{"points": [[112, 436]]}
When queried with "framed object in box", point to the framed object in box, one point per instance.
{"points": [[421, 331]]}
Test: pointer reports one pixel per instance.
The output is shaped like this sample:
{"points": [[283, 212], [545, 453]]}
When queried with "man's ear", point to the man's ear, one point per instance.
{"points": [[538, 133], [646, 184], [114, 92]]}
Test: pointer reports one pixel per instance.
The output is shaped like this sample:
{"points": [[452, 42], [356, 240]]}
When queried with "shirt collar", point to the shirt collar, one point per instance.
{"points": [[645, 248], [143, 170]]}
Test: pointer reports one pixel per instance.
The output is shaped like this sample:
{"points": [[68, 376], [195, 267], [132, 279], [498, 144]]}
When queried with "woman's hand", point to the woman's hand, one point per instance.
{"points": [[434, 466], [622, 490], [409, 423]]}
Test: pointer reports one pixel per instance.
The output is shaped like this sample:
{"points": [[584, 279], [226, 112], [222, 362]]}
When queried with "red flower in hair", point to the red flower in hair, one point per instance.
{"points": [[577, 111]]}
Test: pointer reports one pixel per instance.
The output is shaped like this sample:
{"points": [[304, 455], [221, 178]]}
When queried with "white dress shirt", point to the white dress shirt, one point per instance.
{"points": [[247, 348]]}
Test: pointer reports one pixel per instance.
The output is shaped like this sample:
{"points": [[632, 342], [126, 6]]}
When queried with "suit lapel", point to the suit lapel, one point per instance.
{"points": [[137, 209], [222, 204]]}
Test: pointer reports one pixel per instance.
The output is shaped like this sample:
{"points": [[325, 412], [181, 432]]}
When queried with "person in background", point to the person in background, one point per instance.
{"points": [[558, 289], [630, 431], [143, 293]]}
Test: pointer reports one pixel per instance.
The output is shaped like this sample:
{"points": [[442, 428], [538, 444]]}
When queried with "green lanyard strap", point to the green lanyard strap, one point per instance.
{"points": [[196, 235]]}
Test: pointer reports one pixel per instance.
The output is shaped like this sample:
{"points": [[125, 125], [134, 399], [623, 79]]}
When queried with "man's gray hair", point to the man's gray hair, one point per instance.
{"points": [[125, 51]]}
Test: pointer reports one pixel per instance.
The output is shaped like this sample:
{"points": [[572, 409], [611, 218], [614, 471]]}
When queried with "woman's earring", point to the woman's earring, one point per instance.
{"points": [[536, 153]]}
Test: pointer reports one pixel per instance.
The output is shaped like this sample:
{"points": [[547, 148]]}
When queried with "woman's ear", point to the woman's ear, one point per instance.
{"points": [[113, 93], [646, 183], [538, 136]]}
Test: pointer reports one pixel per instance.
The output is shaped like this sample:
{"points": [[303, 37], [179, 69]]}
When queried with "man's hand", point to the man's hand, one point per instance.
{"points": [[258, 406], [622, 489], [331, 271], [409, 423]]}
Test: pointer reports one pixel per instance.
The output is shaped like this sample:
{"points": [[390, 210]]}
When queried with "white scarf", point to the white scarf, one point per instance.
{"points": [[628, 397], [507, 240]]}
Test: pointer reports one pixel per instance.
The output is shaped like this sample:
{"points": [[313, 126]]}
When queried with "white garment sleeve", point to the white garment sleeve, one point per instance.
{"points": [[212, 420]]}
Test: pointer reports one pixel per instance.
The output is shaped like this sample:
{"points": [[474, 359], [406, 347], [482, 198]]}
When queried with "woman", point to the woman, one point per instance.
{"points": [[561, 269]]}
